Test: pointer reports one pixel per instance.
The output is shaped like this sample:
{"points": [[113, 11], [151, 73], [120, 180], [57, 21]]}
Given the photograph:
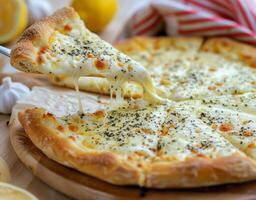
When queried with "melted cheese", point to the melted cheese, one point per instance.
{"points": [[187, 129], [81, 110], [195, 75], [168, 132], [185, 136], [132, 132], [210, 128], [241, 103], [81, 53], [238, 128]]}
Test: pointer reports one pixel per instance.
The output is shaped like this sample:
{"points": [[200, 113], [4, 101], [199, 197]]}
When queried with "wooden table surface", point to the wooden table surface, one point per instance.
{"points": [[21, 176]]}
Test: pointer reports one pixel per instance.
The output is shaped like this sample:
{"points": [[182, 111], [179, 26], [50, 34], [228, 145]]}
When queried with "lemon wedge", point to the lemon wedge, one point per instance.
{"points": [[11, 192], [13, 19], [96, 13]]}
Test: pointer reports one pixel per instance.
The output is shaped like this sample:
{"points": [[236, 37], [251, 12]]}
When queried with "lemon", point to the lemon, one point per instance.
{"points": [[95, 13], [11, 192], [13, 19]]}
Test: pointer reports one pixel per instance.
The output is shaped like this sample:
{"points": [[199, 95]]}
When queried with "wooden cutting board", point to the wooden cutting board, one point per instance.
{"points": [[81, 186]]}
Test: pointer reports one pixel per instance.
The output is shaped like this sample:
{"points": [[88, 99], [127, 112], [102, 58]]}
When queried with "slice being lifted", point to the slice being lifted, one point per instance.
{"points": [[61, 45], [190, 154]]}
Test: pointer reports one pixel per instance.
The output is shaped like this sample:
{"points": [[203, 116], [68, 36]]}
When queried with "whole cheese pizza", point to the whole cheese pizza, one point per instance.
{"points": [[188, 120]]}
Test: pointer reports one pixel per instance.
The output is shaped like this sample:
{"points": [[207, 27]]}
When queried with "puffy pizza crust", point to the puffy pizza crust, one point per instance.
{"points": [[138, 44], [199, 172], [24, 54], [232, 50]]}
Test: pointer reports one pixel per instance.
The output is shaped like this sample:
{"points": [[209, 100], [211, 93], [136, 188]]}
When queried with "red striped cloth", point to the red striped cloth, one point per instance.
{"points": [[230, 18]]}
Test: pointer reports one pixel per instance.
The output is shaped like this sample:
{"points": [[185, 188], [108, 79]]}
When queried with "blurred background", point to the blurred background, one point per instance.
{"points": [[104, 17]]}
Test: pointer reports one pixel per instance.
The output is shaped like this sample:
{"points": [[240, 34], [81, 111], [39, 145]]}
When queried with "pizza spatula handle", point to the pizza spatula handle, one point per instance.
{"points": [[5, 51]]}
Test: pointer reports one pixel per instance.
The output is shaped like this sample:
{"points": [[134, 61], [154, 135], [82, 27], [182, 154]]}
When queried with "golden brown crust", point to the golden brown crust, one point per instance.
{"points": [[103, 165], [198, 172], [23, 54], [192, 172], [232, 49], [137, 44]]}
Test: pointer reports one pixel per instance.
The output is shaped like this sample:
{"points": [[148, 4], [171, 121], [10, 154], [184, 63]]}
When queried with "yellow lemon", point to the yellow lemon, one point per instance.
{"points": [[11, 192], [13, 19], [95, 13]]}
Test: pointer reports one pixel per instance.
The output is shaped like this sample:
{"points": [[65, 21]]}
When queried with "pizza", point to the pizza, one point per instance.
{"points": [[198, 128]]}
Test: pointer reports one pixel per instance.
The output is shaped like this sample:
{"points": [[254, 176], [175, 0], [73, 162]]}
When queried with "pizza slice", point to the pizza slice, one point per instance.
{"points": [[191, 154], [238, 128], [210, 74], [220, 67], [233, 117], [113, 146], [61, 45]]}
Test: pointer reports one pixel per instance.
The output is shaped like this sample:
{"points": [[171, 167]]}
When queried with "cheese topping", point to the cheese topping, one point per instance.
{"points": [[81, 110], [126, 132], [221, 77], [213, 127], [172, 132], [185, 136], [79, 53], [182, 75], [238, 128], [213, 119]]}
